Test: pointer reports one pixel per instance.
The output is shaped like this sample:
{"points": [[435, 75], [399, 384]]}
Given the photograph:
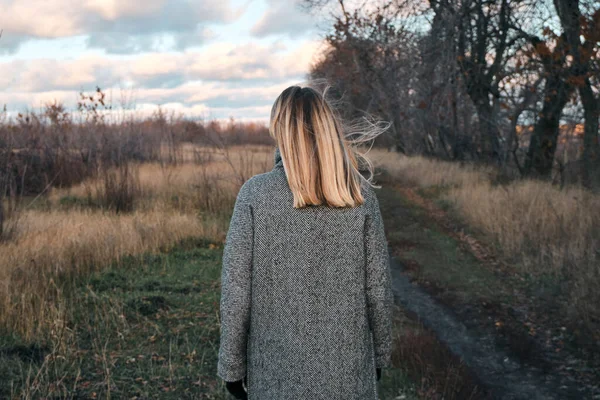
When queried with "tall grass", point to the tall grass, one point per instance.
{"points": [[207, 186], [545, 230], [126, 210], [54, 249], [541, 228]]}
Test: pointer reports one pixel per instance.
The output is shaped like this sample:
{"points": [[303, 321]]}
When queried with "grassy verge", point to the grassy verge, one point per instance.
{"points": [[459, 264], [525, 232], [77, 230], [436, 259], [147, 329], [434, 372]]}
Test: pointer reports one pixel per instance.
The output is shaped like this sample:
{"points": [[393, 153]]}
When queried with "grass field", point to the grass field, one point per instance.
{"points": [[551, 236], [148, 328], [99, 304], [536, 302]]}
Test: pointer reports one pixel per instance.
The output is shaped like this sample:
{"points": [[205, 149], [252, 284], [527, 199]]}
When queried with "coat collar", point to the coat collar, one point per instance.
{"points": [[278, 160]]}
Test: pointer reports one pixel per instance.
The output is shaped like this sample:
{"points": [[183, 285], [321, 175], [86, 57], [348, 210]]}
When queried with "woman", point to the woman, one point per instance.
{"points": [[306, 285]]}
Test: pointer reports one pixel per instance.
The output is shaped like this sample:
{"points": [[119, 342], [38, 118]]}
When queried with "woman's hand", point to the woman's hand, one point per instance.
{"points": [[237, 389]]}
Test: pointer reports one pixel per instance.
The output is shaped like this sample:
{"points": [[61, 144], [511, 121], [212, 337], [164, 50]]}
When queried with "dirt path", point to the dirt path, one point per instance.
{"points": [[515, 368], [504, 376]]}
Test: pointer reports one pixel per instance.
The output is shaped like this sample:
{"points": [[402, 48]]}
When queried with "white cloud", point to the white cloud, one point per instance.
{"points": [[220, 62], [241, 79], [193, 100], [114, 25], [41, 18], [114, 9], [283, 17], [238, 77]]}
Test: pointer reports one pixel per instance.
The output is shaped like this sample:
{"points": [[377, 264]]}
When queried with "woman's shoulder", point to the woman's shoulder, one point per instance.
{"points": [[369, 195], [259, 180], [366, 188], [256, 185]]}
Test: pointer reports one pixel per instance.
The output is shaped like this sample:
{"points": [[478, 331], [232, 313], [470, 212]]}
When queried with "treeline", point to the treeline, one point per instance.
{"points": [[499, 82], [52, 147], [58, 148]]}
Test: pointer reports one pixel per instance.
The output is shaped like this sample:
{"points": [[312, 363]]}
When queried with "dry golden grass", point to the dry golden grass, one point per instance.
{"points": [[422, 171], [560, 224], [50, 249], [66, 245], [545, 230], [187, 186]]}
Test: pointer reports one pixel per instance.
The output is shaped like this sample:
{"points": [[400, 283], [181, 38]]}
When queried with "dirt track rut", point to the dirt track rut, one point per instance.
{"points": [[501, 374]]}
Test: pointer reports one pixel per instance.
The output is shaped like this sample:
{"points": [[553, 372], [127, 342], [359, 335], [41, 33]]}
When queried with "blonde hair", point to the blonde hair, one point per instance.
{"points": [[319, 157]]}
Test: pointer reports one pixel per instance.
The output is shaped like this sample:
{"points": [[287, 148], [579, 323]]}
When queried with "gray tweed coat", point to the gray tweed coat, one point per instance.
{"points": [[306, 295]]}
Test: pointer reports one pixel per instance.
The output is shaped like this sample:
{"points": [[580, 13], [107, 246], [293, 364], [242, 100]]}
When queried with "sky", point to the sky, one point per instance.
{"points": [[209, 59]]}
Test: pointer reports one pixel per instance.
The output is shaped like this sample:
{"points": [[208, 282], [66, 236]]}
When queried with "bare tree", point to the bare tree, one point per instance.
{"points": [[458, 83], [370, 59], [483, 37], [576, 25], [557, 91]]}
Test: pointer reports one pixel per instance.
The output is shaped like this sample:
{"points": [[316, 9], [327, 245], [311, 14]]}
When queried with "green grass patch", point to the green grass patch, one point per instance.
{"points": [[440, 259], [144, 330], [433, 192], [147, 329]]}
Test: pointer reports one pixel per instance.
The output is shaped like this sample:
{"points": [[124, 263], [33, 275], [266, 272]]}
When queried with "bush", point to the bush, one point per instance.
{"points": [[120, 187]]}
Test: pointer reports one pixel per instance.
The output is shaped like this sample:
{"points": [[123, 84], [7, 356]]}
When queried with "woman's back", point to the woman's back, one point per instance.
{"points": [[312, 288]]}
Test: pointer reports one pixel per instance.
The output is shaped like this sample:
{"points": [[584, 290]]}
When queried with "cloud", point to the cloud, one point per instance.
{"points": [[247, 62], [116, 26], [42, 75], [146, 47], [237, 79], [252, 62], [283, 17]]}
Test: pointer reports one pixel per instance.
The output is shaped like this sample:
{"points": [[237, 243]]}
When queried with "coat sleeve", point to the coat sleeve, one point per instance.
{"points": [[379, 295], [236, 285]]}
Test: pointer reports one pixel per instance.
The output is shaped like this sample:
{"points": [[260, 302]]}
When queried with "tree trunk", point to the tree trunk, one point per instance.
{"points": [[571, 21], [540, 155], [591, 148], [490, 145], [398, 140], [1, 217]]}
